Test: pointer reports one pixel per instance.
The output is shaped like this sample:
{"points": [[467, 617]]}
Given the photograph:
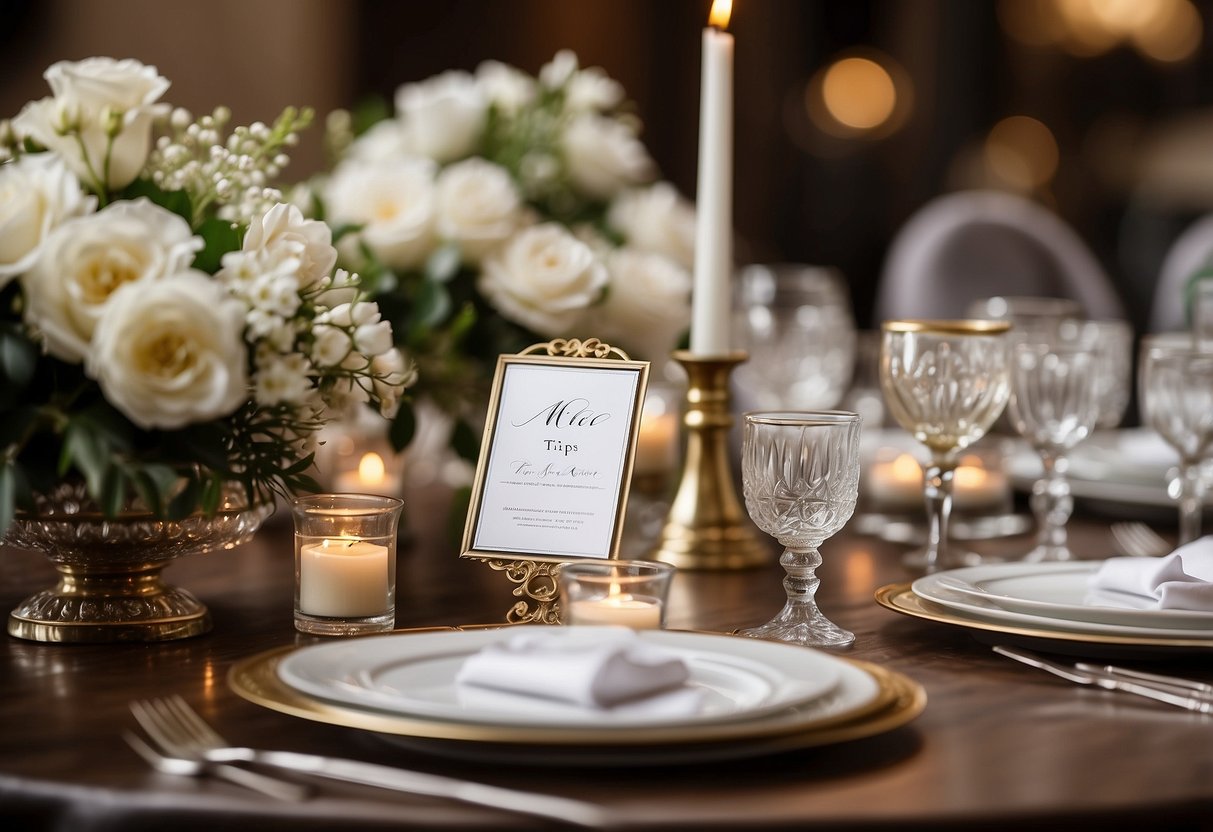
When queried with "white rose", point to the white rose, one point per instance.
{"points": [[544, 279], [394, 202], [283, 232], [648, 305], [656, 219], [592, 89], [478, 207], [443, 115], [382, 142], [557, 72], [603, 155], [392, 374], [170, 353], [85, 260], [506, 88], [86, 95], [37, 194]]}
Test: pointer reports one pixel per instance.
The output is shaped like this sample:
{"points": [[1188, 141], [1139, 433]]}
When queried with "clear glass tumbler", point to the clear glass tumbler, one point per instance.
{"points": [[345, 563]]}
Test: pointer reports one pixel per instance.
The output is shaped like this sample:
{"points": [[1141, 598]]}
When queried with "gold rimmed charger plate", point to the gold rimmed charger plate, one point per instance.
{"points": [[898, 700], [902, 599]]}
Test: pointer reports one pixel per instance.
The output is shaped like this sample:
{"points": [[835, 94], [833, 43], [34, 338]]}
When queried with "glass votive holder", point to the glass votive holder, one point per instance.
{"points": [[345, 563], [626, 593]]}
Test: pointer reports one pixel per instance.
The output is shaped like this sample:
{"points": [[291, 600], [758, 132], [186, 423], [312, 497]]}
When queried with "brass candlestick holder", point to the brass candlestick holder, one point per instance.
{"points": [[706, 527]]}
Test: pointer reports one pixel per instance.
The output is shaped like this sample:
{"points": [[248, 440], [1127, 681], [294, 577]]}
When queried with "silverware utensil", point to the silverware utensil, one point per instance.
{"points": [[184, 767], [1136, 539], [1142, 676], [1190, 700], [181, 732]]}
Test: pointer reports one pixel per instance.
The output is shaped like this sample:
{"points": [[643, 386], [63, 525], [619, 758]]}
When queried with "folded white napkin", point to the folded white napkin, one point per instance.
{"points": [[1183, 580], [592, 667]]}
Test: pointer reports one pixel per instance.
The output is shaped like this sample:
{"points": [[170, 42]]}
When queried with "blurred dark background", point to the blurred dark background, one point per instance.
{"points": [[1100, 109]]}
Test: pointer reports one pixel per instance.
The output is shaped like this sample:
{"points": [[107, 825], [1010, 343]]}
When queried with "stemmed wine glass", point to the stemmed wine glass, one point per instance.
{"points": [[1177, 399], [800, 478], [1055, 404], [946, 382]]}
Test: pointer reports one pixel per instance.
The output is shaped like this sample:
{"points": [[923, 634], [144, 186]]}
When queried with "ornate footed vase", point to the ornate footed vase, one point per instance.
{"points": [[110, 587]]}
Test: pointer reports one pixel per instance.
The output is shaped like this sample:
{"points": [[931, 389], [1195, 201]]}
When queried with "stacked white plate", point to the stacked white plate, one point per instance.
{"points": [[757, 695], [1048, 600]]}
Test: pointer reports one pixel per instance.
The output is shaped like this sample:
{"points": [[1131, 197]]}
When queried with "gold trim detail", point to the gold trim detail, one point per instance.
{"points": [[974, 326], [900, 598], [537, 581], [576, 348], [899, 700]]}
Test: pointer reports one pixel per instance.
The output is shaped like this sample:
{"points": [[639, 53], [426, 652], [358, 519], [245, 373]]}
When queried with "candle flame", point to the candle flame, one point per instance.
{"points": [[722, 10], [371, 469]]}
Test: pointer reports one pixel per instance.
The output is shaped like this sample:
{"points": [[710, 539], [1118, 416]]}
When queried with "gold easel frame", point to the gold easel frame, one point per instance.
{"points": [[535, 575]]}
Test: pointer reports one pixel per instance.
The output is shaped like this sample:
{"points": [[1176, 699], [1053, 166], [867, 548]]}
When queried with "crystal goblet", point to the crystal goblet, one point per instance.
{"points": [[795, 323], [1055, 404], [1176, 386], [946, 382], [800, 477]]}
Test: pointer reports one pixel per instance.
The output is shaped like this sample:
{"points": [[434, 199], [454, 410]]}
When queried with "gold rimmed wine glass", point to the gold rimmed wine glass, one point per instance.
{"points": [[800, 477], [946, 382]]}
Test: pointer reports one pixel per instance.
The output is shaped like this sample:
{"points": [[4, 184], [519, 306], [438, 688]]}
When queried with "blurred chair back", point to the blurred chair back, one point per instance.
{"points": [[966, 246], [1191, 251]]}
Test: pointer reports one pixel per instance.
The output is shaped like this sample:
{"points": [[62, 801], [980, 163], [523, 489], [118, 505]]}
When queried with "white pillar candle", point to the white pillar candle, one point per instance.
{"points": [[623, 610], [657, 444], [343, 578], [714, 193]]}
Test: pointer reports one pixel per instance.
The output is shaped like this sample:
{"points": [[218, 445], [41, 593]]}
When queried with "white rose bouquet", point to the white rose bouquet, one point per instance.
{"points": [[493, 210], [169, 325]]}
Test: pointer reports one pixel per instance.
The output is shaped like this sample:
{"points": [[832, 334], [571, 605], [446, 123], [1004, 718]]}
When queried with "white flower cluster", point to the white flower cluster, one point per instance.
{"points": [[235, 172], [115, 289], [496, 164]]}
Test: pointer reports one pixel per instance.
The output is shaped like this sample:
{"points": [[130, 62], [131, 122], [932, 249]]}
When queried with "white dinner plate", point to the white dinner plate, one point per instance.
{"points": [[414, 675], [1053, 595]]}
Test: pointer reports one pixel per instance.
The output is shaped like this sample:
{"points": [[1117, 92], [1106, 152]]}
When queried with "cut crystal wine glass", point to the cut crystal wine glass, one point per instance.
{"points": [[800, 477], [946, 382], [1177, 399], [1055, 404]]}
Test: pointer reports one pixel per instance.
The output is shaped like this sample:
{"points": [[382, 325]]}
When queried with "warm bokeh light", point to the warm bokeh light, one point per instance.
{"points": [[1021, 152], [1168, 31], [371, 469], [858, 95], [722, 10]]}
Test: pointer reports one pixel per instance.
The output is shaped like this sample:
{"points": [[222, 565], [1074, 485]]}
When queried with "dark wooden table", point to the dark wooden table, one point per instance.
{"points": [[1000, 745]]}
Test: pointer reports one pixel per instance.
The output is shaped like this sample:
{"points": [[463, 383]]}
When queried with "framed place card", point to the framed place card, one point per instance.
{"points": [[556, 459]]}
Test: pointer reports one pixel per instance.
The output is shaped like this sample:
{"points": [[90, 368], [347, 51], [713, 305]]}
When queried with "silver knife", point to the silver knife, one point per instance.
{"points": [[563, 809], [1193, 702]]}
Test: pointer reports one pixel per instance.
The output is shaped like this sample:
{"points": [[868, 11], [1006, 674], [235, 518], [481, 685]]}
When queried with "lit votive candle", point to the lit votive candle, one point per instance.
{"points": [[620, 610], [621, 593], [657, 444], [343, 578], [896, 485], [371, 477]]}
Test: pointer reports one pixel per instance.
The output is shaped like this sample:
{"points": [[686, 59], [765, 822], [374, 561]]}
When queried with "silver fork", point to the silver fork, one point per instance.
{"points": [[1139, 540], [183, 733], [183, 767]]}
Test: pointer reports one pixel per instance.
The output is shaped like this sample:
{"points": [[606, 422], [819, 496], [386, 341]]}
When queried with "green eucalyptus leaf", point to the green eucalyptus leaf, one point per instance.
{"points": [[431, 306], [443, 264], [112, 495], [186, 501], [465, 441], [176, 201], [212, 493], [18, 360], [218, 238], [8, 493], [403, 427]]}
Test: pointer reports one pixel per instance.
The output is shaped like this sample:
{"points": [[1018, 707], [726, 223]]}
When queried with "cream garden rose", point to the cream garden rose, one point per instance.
{"points": [[393, 201], [283, 233], [603, 155], [443, 115], [37, 194], [84, 261], [478, 207], [657, 219], [170, 353], [99, 117], [648, 305], [543, 279]]}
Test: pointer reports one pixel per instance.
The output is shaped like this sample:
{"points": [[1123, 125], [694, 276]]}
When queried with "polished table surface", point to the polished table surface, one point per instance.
{"points": [[999, 745]]}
